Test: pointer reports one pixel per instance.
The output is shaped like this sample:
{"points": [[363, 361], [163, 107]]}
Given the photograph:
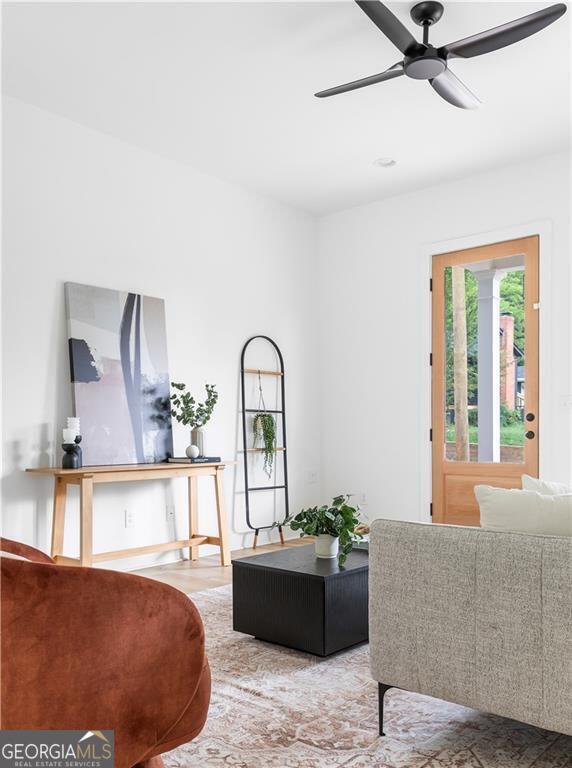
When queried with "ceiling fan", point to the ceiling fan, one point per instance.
{"points": [[422, 61]]}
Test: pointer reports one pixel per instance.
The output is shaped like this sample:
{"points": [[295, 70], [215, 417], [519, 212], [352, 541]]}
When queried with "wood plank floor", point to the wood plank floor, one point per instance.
{"points": [[206, 572]]}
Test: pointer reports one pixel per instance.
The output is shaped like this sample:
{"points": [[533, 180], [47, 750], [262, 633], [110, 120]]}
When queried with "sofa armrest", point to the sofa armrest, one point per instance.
{"points": [[480, 618], [24, 551], [93, 649]]}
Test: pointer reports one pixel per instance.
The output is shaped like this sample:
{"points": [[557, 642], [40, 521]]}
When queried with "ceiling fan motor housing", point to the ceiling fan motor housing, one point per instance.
{"points": [[424, 67], [426, 63], [427, 12]]}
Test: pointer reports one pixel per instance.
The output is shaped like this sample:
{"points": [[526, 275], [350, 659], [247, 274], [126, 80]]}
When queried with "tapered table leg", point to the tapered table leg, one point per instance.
{"points": [[193, 515], [86, 520], [59, 516]]}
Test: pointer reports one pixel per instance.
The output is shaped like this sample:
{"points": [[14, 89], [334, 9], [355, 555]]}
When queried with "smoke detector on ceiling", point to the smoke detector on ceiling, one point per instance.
{"points": [[385, 162]]}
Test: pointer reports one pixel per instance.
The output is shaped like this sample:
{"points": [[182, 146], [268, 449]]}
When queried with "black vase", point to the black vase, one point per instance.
{"points": [[72, 456], [77, 442]]}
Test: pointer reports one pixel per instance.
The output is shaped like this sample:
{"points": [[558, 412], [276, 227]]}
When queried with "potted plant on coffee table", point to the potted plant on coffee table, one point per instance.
{"points": [[334, 527]]}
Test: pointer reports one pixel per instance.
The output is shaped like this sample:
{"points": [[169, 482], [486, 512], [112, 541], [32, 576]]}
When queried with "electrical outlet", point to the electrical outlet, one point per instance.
{"points": [[312, 477], [169, 513], [129, 518]]}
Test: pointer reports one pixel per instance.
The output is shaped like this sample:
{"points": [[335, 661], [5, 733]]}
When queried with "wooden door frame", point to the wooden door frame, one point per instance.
{"points": [[529, 247], [547, 406]]}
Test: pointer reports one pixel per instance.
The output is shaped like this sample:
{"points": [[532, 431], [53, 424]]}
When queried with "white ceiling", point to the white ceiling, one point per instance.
{"points": [[228, 88]]}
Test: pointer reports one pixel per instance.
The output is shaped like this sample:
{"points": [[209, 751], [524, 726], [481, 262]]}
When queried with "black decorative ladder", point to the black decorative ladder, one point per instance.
{"points": [[282, 449]]}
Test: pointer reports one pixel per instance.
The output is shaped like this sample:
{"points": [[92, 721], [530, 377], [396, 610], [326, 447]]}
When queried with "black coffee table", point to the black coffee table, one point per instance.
{"points": [[292, 598]]}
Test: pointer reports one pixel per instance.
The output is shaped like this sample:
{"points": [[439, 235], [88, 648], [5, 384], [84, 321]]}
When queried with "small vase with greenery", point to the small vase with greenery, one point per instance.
{"points": [[192, 414], [334, 526]]}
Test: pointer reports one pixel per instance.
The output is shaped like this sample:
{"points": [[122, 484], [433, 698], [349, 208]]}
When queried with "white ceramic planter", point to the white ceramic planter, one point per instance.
{"points": [[327, 546]]}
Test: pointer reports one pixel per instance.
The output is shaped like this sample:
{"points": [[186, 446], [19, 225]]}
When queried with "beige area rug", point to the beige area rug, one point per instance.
{"points": [[276, 708]]}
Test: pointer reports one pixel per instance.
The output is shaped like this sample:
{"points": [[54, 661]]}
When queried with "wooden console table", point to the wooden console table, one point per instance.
{"points": [[87, 477]]}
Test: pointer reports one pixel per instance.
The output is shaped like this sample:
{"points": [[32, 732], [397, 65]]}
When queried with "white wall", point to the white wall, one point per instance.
{"points": [[375, 326], [349, 308], [83, 207]]}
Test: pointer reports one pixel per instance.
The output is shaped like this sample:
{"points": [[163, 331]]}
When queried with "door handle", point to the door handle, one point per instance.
{"points": [[529, 435], [530, 417]]}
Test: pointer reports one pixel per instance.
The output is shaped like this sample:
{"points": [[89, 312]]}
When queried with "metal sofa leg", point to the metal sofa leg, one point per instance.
{"points": [[382, 690]]}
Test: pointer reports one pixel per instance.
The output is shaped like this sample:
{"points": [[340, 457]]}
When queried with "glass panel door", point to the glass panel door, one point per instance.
{"points": [[485, 343], [485, 373]]}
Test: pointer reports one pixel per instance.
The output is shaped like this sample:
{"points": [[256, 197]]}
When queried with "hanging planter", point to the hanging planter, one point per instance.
{"points": [[264, 430]]}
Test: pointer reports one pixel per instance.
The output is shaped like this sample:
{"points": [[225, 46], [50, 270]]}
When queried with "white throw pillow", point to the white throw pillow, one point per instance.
{"points": [[504, 509], [544, 486]]}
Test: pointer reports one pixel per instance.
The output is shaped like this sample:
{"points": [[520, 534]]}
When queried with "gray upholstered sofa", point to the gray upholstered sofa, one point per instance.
{"points": [[476, 617]]}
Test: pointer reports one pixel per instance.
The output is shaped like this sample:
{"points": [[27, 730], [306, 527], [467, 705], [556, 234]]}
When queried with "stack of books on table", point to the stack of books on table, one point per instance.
{"points": [[198, 460]]}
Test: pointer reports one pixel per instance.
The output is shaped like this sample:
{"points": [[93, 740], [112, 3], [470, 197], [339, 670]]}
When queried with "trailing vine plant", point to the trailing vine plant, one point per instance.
{"points": [[186, 409], [264, 430]]}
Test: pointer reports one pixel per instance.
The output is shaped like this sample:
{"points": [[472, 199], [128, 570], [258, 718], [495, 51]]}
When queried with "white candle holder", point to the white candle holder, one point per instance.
{"points": [[69, 435], [73, 423]]}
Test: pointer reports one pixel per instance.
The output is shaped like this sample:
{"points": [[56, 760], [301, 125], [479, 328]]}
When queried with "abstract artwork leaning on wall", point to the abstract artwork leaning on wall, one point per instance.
{"points": [[119, 372]]}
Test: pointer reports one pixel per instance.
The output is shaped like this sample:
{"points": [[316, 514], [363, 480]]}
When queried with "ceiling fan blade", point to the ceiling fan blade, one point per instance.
{"points": [[390, 25], [450, 88], [395, 71], [505, 34]]}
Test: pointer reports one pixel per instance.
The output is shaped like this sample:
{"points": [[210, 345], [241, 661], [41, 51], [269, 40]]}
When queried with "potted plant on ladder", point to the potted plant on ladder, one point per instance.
{"points": [[264, 431]]}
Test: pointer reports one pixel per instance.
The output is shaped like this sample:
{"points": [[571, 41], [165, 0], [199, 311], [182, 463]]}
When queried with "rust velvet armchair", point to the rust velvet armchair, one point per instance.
{"points": [[93, 649]]}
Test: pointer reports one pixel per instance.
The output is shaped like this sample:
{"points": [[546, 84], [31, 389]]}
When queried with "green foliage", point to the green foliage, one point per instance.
{"points": [[512, 301], [339, 520], [508, 417], [511, 435], [264, 429], [186, 409]]}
